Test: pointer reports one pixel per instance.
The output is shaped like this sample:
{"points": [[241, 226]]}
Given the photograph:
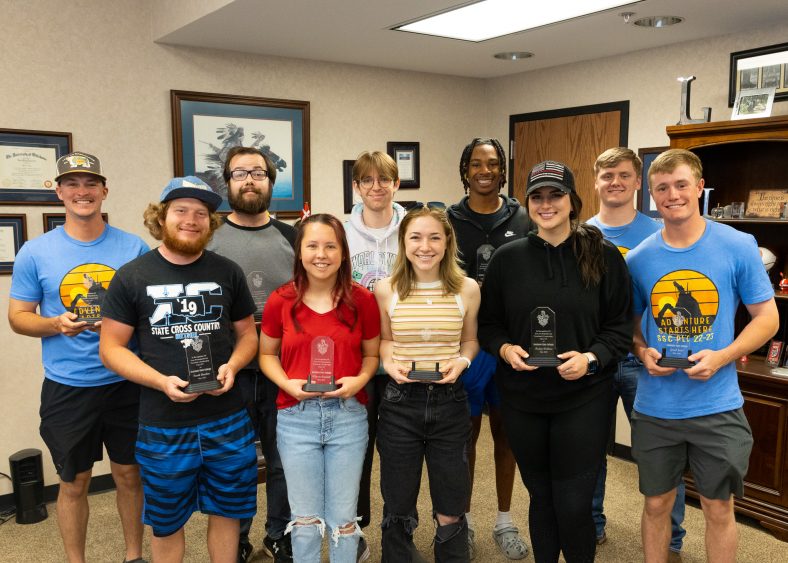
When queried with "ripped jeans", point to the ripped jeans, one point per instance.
{"points": [[322, 444], [418, 422]]}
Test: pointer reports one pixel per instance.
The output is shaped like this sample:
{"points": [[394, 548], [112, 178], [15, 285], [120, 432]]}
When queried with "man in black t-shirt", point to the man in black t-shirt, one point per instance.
{"points": [[192, 314]]}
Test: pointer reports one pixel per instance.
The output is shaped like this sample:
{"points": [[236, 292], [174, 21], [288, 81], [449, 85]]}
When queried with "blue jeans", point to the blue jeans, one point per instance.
{"points": [[259, 395], [322, 443], [625, 384], [419, 422]]}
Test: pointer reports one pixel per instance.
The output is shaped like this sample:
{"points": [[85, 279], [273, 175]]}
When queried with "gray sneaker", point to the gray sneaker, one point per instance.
{"points": [[510, 543], [471, 543]]}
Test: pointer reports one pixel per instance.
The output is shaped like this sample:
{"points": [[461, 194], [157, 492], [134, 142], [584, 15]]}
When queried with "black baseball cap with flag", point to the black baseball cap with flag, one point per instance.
{"points": [[552, 174], [79, 162]]}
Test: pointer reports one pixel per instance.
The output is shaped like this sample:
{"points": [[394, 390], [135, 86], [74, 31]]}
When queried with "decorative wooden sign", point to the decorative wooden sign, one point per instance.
{"points": [[766, 203]]}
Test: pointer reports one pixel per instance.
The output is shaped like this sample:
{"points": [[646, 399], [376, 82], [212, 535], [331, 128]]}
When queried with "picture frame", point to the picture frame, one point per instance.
{"points": [[205, 126], [762, 67], [406, 155], [55, 220], [755, 102], [28, 165], [645, 202], [347, 184], [13, 234]]}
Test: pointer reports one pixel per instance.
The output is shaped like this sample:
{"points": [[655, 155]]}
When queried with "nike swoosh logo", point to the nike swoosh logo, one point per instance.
{"points": [[509, 234]]}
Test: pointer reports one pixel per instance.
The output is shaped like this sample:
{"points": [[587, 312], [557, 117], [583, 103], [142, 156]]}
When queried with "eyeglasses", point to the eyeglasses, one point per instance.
{"points": [[369, 181], [240, 174]]}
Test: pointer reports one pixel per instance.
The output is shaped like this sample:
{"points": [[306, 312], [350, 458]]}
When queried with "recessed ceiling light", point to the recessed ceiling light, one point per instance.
{"points": [[486, 19], [513, 55], [658, 21]]}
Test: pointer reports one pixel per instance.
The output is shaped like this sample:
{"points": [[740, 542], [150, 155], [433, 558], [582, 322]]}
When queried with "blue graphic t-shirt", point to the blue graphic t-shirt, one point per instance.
{"points": [[627, 237], [61, 273], [688, 299]]}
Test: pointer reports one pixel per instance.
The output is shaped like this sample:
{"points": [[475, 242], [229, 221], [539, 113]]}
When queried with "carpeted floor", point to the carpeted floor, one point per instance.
{"points": [[40, 543]]}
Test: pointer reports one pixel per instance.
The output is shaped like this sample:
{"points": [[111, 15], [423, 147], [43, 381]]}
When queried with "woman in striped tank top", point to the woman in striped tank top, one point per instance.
{"points": [[428, 324]]}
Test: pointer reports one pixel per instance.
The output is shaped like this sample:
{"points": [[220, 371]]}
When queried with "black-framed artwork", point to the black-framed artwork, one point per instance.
{"points": [[763, 67], [347, 184], [28, 165], [13, 234], [644, 201], [205, 126], [406, 155], [55, 220]]}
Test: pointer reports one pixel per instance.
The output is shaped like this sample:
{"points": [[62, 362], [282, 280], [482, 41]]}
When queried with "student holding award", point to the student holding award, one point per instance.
{"points": [[428, 338], [556, 311], [319, 344]]}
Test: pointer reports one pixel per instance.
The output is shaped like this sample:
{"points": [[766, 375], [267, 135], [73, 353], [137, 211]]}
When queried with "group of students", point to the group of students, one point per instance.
{"points": [[459, 297]]}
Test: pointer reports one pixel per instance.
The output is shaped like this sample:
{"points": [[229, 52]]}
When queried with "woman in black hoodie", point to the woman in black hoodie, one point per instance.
{"points": [[556, 313]]}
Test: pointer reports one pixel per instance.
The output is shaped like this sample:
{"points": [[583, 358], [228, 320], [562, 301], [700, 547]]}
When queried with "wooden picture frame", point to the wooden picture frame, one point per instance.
{"points": [[205, 126], [13, 234], [406, 156], [762, 67]]}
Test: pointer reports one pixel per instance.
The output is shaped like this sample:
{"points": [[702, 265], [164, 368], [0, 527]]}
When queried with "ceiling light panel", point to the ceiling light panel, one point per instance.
{"points": [[487, 19]]}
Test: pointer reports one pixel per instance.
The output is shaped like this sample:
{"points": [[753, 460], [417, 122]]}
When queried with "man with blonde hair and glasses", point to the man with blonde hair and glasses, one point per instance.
{"points": [[688, 281], [617, 173]]}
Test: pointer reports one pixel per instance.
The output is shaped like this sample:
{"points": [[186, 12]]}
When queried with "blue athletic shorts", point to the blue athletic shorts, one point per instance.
{"points": [[210, 467], [479, 384]]}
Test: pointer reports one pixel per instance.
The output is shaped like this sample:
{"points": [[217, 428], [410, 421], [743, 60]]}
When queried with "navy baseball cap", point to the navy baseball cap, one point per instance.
{"points": [[191, 186], [553, 174]]}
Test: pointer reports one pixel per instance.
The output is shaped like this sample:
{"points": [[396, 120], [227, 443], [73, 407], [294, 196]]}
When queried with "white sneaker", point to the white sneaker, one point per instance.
{"points": [[510, 543]]}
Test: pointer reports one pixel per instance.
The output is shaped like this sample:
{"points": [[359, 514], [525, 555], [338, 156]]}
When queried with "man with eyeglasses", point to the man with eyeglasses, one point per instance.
{"points": [[264, 249], [372, 239]]}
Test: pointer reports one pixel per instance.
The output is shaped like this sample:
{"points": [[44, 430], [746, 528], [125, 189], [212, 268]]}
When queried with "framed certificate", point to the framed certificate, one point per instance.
{"points": [[28, 166], [406, 155], [55, 220], [13, 234]]}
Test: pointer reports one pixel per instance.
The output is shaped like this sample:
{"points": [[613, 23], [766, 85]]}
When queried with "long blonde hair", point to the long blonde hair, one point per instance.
{"points": [[451, 275]]}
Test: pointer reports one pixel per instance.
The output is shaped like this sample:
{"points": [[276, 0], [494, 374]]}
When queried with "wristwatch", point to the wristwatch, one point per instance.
{"points": [[593, 363]]}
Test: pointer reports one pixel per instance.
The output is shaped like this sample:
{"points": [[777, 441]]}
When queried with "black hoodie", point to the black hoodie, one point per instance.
{"points": [[529, 273]]}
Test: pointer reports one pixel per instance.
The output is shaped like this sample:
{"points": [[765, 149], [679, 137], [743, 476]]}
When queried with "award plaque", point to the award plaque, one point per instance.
{"points": [[321, 366], [681, 363], [86, 304], [425, 374], [483, 256], [542, 352], [199, 362]]}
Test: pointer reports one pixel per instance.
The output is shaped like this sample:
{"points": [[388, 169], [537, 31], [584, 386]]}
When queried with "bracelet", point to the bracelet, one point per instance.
{"points": [[467, 360]]}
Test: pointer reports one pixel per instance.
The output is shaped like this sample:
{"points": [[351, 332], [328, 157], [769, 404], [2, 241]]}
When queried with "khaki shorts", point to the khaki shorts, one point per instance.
{"points": [[716, 448]]}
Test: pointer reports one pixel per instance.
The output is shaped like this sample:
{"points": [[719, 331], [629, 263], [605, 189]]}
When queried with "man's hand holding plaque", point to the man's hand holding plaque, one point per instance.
{"points": [[321, 377], [202, 376]]}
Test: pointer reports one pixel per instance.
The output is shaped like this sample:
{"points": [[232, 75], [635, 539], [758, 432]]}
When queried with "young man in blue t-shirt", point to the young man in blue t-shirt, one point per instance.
{"points": [[617, 173], [688, 280], [60, 279]]}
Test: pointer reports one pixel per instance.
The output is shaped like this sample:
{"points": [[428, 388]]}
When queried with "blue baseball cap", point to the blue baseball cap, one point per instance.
{"points": [[191, 186]]}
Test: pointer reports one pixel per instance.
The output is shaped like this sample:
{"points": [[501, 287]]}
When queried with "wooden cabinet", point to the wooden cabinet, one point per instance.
{"points": [[739, 156]]}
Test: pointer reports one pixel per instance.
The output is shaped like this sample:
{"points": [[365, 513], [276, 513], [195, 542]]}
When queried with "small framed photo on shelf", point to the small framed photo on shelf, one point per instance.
{"points": [[763, 67], [13, 234], [775, 353], [756, 102], [645, 203], [55, 220], [406, 155]]}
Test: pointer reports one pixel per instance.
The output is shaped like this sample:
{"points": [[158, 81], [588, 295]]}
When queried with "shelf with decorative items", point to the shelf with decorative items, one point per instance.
{"points": [[746, 163]]}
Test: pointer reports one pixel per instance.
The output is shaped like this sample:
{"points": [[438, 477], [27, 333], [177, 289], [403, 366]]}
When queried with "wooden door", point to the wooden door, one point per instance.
{"points": [[574, 136]]}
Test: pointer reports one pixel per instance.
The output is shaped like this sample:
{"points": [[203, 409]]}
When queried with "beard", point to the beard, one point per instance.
{"points": [[184, 247], [250, 206]]}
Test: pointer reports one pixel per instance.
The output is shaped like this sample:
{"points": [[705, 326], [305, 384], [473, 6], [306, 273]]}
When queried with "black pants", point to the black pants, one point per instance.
{"points": [[374, 389], [559, 456]]}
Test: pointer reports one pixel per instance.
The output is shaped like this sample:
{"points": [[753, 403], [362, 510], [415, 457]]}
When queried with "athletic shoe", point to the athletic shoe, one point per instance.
{"points": [[471, 543], [510, 543], [363, 550], [280, 549], [245, 551], [601, 539]]}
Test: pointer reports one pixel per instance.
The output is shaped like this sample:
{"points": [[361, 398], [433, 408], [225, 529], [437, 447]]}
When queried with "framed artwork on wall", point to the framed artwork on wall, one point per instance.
{"points": [[644, 201], [28, 166], [13, 234], [55, 220], [206, 126], [406, 155], [763, 67], [347, 184]]}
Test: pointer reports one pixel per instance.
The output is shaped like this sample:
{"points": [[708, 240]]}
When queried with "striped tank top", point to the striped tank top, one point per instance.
{"points": [[426, 326]]}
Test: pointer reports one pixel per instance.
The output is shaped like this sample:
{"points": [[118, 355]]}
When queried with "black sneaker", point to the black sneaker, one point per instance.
{"points": [[280, 550], [245, 551]]}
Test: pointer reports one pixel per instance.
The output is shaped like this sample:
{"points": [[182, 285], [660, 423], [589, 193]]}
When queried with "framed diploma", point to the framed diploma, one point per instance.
{"points": [[28, 166], [13, 234], [406, 155]]}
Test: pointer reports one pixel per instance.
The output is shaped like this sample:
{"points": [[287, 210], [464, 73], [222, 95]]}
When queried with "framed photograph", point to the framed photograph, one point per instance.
{"points": [[206, 126], [347, 184], [764, 67], [406, 155], [644, 201], [13, 234], [753, 103], [775, 352], [55, 220], [28, 166]]}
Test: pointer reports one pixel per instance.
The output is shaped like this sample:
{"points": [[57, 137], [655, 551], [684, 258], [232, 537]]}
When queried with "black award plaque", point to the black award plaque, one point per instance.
{"points": [[542, 352], [680, 363], [202, 376], [321, 366], [424, 374], [86, 304]]}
